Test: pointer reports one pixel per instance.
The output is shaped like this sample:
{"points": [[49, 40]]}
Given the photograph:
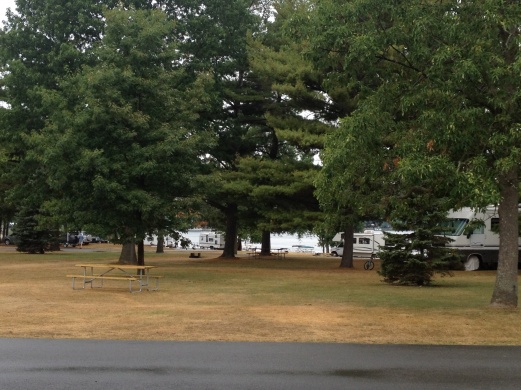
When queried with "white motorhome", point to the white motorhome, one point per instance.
{"points": [[366, 244], [480, 247], [211, 240]]}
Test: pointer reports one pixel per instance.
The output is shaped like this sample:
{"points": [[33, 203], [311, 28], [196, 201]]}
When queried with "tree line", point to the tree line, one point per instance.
{"points": [[139, 117]]}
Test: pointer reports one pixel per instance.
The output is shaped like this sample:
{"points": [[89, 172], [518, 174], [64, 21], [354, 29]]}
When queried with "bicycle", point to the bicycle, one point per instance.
{"points": [[369, 264]]}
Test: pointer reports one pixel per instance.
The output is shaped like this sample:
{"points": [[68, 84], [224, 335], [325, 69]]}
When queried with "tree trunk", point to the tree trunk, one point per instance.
{"points": [[230, 237], [128, 253], [505, 289], [266, 243], [347, 256], [141, 253], [160, 244]]}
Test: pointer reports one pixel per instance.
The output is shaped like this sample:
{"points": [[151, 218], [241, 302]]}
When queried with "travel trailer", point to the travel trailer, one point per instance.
{"points": [[478, 248], [211, 240]]}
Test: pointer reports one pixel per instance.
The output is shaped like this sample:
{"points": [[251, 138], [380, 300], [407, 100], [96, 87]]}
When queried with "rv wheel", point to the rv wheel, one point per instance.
{"points": [[472, 263]]}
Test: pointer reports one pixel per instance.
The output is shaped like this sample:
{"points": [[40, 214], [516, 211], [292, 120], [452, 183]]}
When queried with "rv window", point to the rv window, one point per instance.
{"points": [[454, 226], [354, 240], [364, 240], [494, 225]]}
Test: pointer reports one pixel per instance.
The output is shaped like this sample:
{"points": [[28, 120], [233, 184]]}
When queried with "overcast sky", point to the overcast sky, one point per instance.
{"points": [[4, 4]]}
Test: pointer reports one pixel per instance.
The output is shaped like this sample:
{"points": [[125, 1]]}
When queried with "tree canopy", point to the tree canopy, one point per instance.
{"points": [[117, 143], [114, 114], [440, 87]]}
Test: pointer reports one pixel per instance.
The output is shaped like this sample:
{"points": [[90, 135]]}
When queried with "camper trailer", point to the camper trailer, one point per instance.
{"points": [[211, 240], [480, 247]]}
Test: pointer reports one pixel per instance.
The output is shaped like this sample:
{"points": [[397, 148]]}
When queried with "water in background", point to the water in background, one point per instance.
{"points": [[277, 241]]}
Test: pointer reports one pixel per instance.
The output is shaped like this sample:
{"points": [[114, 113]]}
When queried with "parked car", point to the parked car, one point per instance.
{"points": [[69, 239]]}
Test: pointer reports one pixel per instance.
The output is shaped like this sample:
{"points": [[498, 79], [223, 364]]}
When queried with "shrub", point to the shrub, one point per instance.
{"points": [[414, 258]]}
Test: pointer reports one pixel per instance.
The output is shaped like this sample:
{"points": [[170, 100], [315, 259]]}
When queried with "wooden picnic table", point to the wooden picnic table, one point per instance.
{"points": [[280, 252], [252, 252], [138, 274]]}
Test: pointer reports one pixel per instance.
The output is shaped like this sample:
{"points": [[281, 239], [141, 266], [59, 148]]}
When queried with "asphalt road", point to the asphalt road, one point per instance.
{"points": [[66, 364]]}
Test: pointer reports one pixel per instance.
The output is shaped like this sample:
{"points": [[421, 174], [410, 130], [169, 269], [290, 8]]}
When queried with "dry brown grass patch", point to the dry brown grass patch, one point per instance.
{"points": [[300, 299]]}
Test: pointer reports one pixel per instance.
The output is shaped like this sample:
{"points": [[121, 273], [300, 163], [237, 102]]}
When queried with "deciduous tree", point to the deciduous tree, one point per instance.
{"points": [[121, 145], [40, 43], [442, 85]]}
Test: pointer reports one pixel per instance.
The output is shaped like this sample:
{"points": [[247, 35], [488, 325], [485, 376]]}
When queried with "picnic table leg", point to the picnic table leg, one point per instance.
{"points": [[74, 283], [85, 276], [156, 287], [141, 281], [140, 286]]}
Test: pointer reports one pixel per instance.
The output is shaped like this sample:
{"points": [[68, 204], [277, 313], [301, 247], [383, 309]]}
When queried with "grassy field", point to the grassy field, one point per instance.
{"points": [[302, 298]]}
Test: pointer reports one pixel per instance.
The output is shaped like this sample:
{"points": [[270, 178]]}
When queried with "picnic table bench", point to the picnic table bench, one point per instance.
{"points": [[140, 275]]}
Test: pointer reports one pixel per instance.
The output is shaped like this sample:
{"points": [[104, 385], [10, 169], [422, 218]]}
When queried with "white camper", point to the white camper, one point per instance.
{"points": [[152, 240], [211, 240], [480, 247], [366, 244]]}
